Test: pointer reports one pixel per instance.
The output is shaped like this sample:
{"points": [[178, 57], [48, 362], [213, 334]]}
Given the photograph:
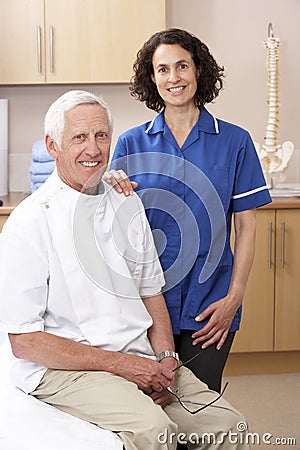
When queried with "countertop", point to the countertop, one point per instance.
{"points": [[11, 200], [283, 203]]}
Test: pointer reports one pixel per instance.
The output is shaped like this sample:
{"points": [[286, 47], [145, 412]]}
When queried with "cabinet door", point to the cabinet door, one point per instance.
{"points": [[92, 41], [287, 305], [21, 41], [3, 219], [256, 332]]}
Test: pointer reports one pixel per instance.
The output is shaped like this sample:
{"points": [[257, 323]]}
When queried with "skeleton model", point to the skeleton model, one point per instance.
{"points": [[273, 156]]}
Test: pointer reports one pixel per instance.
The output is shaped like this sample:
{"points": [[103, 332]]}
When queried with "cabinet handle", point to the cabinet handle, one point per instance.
{"points": [[51, 48], [282, 243], [270, 225], [39, 60]]}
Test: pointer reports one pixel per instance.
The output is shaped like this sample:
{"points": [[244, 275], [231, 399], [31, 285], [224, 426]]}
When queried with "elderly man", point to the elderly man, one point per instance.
{"points": [[81, 300]]}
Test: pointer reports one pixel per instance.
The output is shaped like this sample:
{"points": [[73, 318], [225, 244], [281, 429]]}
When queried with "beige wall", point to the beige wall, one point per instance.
{"points": [[234, 30]]}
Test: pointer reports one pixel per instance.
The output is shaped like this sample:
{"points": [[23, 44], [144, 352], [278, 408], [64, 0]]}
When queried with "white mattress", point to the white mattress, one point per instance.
{"points": [[28, 424]]}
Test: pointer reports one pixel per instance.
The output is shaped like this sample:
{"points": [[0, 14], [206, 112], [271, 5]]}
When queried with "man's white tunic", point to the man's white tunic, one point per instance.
{"points": [[81, 265]]}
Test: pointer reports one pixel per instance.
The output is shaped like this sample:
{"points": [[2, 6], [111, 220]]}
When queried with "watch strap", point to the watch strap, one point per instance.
{"points": [[167, 354]]}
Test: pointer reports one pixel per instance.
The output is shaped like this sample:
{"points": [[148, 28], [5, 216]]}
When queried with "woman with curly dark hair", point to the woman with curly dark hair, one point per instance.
{"points": [[208, 85], [193, 173]]}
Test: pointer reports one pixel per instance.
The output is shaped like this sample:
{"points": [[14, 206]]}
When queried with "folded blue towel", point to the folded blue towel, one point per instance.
{"points": [[38, 178], [35, 186], [42, 168], [40, 152], [42, 165]]}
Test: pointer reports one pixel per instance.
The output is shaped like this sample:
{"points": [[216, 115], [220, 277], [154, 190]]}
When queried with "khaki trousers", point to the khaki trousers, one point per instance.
{"points": [[113, 403]]}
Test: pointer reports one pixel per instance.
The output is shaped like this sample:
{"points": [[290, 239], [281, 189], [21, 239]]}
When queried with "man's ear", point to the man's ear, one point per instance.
{"points": [[51, 147]]}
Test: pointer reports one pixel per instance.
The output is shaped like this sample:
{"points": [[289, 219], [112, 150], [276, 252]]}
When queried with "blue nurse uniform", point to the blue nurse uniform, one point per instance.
{"points": [[189, 194]]}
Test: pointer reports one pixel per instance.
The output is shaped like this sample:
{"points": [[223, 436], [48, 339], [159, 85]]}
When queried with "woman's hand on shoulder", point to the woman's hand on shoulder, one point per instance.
{"points": [[120, 181]]}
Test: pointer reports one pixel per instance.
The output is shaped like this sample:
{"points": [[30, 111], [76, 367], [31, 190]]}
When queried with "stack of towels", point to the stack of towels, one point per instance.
{"points": [[42, 165]]}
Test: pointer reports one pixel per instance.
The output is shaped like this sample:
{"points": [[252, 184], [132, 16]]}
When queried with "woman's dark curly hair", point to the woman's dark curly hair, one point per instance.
{"points": [[209, 82]]}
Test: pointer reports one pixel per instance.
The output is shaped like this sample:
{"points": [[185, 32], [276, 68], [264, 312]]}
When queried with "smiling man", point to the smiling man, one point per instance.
{"points": [[81, 299], [82, 152]]}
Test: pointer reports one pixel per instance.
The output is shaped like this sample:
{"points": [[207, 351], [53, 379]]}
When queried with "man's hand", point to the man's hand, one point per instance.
{"points": [[149, 375], [120, 181], [164, 398]]}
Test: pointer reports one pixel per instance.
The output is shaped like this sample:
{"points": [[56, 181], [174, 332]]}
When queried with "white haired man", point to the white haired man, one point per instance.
{"points": [[81, 299]]}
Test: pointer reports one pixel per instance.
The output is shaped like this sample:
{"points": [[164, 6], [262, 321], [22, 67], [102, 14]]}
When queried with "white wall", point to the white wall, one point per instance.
{"points": [[234, 31]]}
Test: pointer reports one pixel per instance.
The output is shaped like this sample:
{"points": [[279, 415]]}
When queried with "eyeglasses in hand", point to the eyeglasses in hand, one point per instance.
{"points": [[179, 397]]}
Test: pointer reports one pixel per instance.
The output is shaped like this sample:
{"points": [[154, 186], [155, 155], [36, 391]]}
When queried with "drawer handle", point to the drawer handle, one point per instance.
{"points": [[270, 225], [39, 60], [51, 48], [282, 243]]}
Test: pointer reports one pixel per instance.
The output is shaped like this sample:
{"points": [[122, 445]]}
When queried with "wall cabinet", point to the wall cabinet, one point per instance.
{"points": [[271, 316], [82, 41]]}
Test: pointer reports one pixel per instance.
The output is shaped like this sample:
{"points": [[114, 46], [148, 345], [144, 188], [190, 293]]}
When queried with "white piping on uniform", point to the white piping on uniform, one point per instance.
{"points": [[216, 126], [150, 126], [245, 194]]}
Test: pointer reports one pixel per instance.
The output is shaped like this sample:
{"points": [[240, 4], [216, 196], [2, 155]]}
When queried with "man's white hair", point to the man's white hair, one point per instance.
{"points": [[54, 123]]}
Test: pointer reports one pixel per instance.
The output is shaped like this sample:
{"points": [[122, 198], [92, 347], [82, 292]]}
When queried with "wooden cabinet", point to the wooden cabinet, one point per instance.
{"points": [[287, 280], [271, 316], [78, 41], [256, 333], [21, 42], [3, 218]]}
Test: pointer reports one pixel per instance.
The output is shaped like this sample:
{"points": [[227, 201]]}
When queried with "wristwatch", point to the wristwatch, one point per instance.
{"points": [[167, 354]]}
